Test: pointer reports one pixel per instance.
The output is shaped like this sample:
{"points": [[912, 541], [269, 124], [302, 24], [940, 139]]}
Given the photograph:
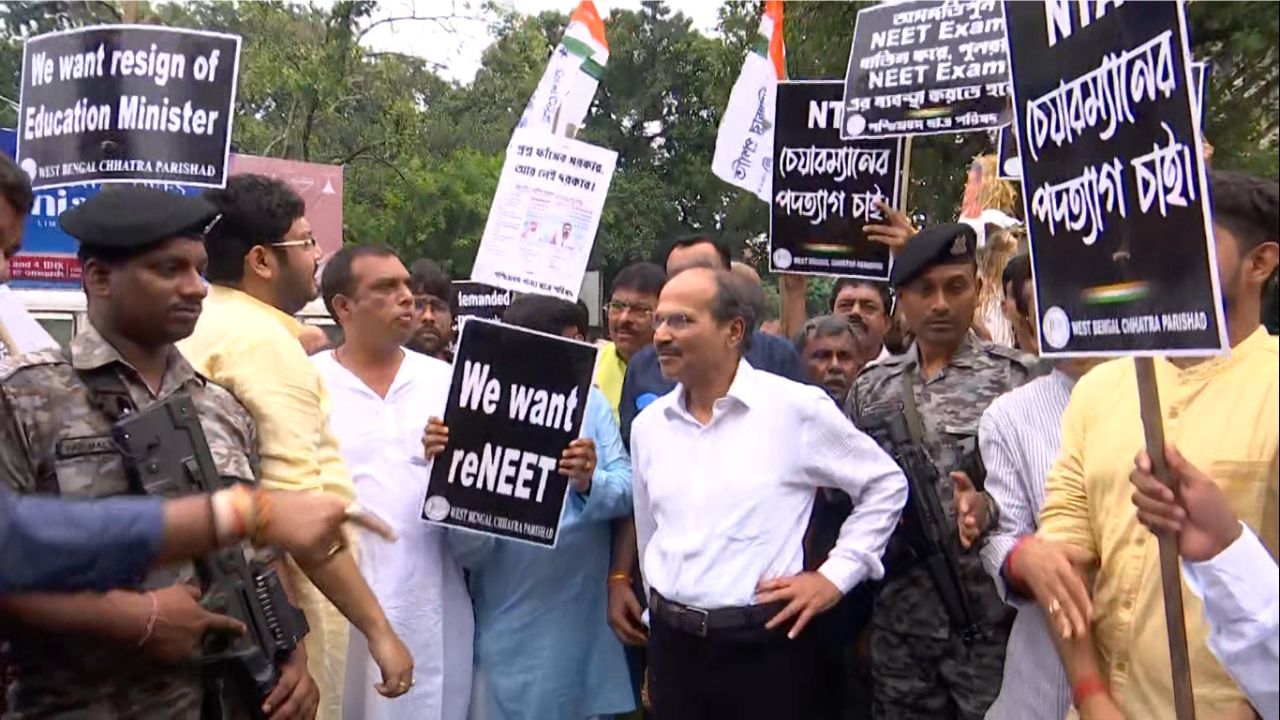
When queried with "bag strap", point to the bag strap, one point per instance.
{"points": [[107, 391], [915, 424]]}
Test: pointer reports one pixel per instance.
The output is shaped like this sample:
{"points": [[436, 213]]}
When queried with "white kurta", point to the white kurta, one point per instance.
{"points": [[416, 579]]}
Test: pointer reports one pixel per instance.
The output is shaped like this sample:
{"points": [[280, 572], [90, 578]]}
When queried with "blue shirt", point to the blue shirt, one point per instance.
{"points": [[644, 382], [53, 545], [543, 641]]}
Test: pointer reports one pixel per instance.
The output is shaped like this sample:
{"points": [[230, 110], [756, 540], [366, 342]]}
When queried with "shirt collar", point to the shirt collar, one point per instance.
{"points": [[90, 351], [742, 391], [220, 294], [965, 356], [1258, 339]]}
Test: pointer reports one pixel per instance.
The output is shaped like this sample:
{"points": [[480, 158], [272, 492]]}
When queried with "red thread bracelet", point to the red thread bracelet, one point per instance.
{"points": [[1010, 577], [1086, 688]]}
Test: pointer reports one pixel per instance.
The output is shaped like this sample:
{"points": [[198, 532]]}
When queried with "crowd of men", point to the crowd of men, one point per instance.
{"points": [[738, 539]]}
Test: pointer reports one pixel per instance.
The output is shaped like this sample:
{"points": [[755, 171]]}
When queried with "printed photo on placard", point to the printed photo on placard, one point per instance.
{"points": [[127, 103], [516, 402], [825, 189], [1116, 196]]}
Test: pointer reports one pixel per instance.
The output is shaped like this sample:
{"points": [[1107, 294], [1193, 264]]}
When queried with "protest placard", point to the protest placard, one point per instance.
{"points": [[544, 216], [825, 189], [1009, 166], [480, 300], [127, 103], [1113, 180], [926, 67], [516, 402]]}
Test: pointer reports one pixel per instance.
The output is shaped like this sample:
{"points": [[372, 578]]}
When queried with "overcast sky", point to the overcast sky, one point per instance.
{"points": [[459, 51]]}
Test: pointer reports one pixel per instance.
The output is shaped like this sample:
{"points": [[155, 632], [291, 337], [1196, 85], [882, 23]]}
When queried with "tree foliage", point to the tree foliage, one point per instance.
{"points": [[422, 155]]}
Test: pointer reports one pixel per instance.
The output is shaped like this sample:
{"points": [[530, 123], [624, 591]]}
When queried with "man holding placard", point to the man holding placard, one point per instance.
{"points": [[542, 650], [1139, 253]]}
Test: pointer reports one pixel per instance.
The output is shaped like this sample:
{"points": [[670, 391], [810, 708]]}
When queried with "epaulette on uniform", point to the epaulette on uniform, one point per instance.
{"points": [[40, 358]]}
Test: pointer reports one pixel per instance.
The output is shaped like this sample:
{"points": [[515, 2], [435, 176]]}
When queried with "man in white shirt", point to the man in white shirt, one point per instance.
{"points": [[725, 469], [1227, 567], [382, 397]]}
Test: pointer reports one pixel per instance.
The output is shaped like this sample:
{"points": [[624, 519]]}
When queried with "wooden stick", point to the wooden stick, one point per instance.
{"points": [[1170, 571], [906, 173]]}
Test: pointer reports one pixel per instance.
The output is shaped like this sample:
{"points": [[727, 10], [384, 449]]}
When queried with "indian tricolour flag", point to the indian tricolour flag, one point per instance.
{"points": [[744, 145], [567, 87]]}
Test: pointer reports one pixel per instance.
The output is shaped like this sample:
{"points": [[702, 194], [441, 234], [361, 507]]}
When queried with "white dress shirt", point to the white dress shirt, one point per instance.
{"points": [[416, 579], [720, 507], [1242, 605]]}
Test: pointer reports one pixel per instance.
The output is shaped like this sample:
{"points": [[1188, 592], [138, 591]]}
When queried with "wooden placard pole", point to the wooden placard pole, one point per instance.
{"points": [[906, 173], [1170, 570]]}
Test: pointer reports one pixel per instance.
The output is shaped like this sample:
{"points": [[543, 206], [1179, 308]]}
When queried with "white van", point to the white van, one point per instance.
{"points": [[63, 313]]}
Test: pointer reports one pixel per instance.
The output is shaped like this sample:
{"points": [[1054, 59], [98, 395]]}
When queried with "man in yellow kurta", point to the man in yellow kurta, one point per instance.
{"points": [[1222, 414], [262, 264], [630, 316]]}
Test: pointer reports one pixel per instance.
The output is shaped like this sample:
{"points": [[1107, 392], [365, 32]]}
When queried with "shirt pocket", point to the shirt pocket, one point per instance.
{"points": [[1245, 483]]}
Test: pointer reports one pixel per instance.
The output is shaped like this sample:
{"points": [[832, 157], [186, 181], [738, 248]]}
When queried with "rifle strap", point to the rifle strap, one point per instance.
{"points": [[915, 424], [107, 391]]}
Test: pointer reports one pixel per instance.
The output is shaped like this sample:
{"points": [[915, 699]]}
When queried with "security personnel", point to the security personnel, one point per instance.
{"points": [[123, 654], [922, 668]]}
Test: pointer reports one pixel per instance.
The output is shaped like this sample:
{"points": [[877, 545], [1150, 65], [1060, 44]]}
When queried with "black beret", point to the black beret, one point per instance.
{"points": [[135, 216], [938, 245]]}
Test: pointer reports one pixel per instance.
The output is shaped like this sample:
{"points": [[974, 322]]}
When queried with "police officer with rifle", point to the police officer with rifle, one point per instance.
{"points": [[939, 628], [121, 412]]}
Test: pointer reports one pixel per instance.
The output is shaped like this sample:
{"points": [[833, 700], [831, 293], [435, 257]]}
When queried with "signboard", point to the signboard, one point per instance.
{"points": [[516, 402], [1114, 182], [825, 189], [127, 103], [544, 216], [320, 186], [925, 67], [480, 300], [48, 256]]}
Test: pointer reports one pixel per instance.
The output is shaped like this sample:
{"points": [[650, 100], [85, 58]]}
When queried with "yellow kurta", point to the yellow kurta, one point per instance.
{"points": [[610, 372], [252, 349], [1223, 416]]}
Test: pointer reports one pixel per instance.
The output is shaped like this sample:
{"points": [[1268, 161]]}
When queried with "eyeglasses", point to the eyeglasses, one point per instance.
{"points": [[617, 307], [675, 321], [308, 243], [422, 302]]}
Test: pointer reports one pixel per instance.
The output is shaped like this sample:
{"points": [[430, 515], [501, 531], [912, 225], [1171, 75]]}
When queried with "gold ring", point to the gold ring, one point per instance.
{"points": [[337, 548], [1054, 607]]}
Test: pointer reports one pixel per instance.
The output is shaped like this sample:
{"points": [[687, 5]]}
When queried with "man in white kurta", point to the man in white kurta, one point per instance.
{"points": [[382, 397]]}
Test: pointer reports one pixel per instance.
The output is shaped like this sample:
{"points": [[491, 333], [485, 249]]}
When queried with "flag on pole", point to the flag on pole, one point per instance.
{"points": [[567, 87], [744, 145]]}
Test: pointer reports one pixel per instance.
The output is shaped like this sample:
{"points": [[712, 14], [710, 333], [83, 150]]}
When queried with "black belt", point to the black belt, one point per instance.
{"points": [[697, 621]]}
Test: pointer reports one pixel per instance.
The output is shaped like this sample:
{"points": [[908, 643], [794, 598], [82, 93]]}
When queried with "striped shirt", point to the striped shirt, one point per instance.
{"points": [[1019, 436]]}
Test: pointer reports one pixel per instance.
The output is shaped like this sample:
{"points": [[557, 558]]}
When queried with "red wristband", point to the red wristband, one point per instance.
{"points": [[1010, 577], [1085, 688]]}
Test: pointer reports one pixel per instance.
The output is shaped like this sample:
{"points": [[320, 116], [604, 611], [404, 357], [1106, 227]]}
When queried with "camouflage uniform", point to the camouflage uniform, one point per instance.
{"points": [[921, 670], [53, 440]]}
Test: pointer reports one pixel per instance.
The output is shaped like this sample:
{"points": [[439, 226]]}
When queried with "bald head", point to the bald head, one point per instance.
{"points": [[703, 324]]}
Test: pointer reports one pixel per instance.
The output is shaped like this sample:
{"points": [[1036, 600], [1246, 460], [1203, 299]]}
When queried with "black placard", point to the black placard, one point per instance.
{"points": [[1009, 166], [1113, 180], [926, 67], [127, 104], [479, 300], [516, 402], [825, 188]]}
